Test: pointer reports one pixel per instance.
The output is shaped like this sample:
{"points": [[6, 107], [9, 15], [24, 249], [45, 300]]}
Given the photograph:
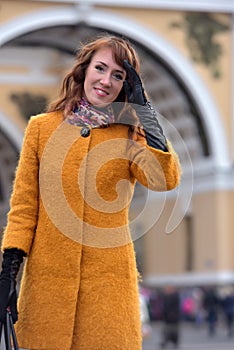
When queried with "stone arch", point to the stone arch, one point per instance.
{"points": [[71, 15], [10, 144], [14, 135]]}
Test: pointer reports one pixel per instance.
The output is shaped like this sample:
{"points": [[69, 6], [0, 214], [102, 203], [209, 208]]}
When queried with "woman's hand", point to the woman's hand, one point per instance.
{"points": [[12, 258], [133, 86], [144, 110]]}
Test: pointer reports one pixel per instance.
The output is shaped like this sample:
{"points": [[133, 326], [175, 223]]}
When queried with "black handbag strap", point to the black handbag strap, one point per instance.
{"points": [[9, 332]]}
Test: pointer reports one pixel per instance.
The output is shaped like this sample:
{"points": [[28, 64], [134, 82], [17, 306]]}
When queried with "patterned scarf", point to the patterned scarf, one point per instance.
{"points": [[86, 114]]}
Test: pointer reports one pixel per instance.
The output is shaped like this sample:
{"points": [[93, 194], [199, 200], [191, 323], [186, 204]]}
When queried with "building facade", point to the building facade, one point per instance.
{"points": [[186, 50]]}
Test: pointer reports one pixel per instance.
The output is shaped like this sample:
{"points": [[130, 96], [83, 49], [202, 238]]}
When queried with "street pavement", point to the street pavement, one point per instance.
{"points": [[192, 337]]}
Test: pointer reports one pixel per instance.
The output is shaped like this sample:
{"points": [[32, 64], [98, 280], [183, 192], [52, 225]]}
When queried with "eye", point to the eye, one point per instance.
{"points": [[117, 76], [99, 68]]}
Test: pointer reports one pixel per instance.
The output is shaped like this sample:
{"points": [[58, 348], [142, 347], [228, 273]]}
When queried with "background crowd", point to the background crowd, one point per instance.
{"points": [[211, 307]]}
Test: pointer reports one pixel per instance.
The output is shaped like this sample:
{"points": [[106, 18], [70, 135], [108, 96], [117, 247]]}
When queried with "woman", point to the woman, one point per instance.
{"points": [[69, 207]]}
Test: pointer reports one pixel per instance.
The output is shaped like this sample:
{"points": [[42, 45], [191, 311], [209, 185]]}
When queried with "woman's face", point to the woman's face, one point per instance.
{"points": [[104, 78]]}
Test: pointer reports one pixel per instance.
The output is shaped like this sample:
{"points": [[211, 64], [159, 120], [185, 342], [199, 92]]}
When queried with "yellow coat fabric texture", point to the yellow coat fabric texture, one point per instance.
{"points": [[69, 213]]}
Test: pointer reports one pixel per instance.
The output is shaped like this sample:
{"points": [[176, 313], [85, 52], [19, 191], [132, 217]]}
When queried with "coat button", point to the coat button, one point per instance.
{"points": [[85, 131]]}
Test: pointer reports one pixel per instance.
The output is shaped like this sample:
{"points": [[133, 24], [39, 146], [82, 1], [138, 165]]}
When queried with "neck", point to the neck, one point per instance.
{"points": [[100, 107]]}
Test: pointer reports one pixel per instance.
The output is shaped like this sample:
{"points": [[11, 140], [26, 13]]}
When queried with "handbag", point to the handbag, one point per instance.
{"points": [[9, 333]]}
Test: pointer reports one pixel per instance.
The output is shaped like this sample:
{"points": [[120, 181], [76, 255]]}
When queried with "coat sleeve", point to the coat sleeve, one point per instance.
{"points": [[22, 217], [153, 168]]}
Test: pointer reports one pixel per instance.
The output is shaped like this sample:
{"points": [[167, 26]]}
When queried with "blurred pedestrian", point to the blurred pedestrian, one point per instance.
{"points": [[170, 316], [227, 303], [198, 306], [145, 319], [211, 305]]}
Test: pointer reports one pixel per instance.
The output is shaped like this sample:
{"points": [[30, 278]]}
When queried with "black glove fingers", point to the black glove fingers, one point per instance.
{"points": [[132, 75], [5, 303], [137, 95], [5, 287], [127, 88], [13, 307], [12, 258]]}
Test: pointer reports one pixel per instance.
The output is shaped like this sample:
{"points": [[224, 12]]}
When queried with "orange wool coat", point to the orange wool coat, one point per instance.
{"points": [[69, 213]]}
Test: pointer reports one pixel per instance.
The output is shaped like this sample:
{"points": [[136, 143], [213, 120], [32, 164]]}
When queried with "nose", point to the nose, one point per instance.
{"points": [[106, 80]]}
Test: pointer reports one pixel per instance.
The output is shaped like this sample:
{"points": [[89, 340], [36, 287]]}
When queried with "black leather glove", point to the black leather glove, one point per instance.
{"points": [[146, 113], [12, 258]]}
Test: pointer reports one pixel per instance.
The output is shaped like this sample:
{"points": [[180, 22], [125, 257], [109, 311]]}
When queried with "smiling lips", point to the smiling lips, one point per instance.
{"points": [[101, 92]]}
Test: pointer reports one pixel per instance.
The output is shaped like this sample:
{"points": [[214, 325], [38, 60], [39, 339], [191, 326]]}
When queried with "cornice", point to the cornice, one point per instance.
{"points": [[225, 6]]}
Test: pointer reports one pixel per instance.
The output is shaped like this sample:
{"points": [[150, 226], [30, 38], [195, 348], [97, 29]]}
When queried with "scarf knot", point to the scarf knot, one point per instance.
{"points": [[86, 114]]}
